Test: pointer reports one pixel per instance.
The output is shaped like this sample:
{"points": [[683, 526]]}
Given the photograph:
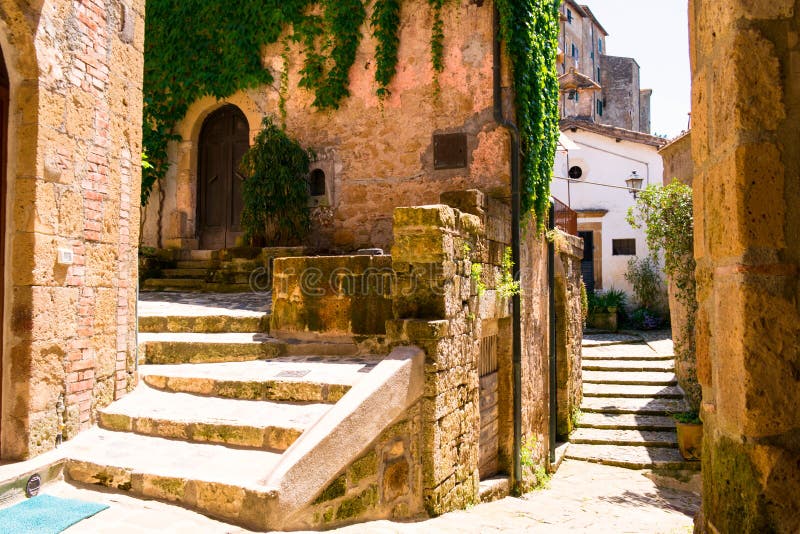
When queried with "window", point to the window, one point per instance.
{"points": [[598, 74], [600, 107], [569, 16], [316, 183], [600, 45], [574, 50], [575, 172], [623, 247]]}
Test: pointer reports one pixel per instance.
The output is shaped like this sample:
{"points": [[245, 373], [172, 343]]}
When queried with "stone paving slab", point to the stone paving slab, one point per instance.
{"points": [[631, 378], [618, 390], [649, 438], [629, 365], [631, 457], [635, 406], [625, 351], [627, 421], [246, 423], [171, 458], [592, 339], [198, 304]]}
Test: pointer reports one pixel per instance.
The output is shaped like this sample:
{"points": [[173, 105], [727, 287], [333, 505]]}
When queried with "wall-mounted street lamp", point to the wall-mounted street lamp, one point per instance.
{"points": [[634, 183]]}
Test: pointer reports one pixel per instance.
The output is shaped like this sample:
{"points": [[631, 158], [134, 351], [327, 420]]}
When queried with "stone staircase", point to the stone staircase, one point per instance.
{"points": [[629, 392], [218, 404]]}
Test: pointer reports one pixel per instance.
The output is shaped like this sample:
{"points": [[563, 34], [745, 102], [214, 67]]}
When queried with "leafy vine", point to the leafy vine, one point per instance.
{"points": [[437, 35], [529, 29], [385, 23]]}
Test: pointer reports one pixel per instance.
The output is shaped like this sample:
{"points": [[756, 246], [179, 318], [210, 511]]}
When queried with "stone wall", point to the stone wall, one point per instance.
{"points": [[377, 154], [746, 150], [73, 177], [569, 330], [619, 77]]}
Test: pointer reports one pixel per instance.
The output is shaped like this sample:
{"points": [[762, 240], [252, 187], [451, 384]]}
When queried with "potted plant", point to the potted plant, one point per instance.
{"points": [[604, 308], [690, 434]]}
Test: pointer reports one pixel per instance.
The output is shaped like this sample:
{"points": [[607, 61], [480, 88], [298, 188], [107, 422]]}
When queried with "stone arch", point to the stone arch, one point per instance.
{"points": [[178, 221], [17, 30]]}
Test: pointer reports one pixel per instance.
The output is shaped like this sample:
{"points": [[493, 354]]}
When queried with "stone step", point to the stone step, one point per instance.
{"points": [[195, 264], [219, 481], [284, 379], [631, 457], [616, 390], [630, 378], [204, 324], [170, 348], [241, 423], [615, 357], [633, 406], [634, 438], [622, 352], [626, 422], [164, 348], [629, 365], [195, 273], [173, 284]]}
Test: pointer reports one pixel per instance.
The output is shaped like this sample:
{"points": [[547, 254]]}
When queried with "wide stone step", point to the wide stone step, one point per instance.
{"points": [[617, 390], [219, 481], [242, 423], [629, 365], [633, 406], [204, 324], [622, 352], [634, 438], [164, 348], [631, 457], [200, 273], [630, 378], [626, 422], [284, 379], [195, 264], [173, 284]]}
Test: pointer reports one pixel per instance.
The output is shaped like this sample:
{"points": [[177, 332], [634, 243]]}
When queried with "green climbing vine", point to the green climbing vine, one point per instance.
{"points": [[385, 24], [195, 48], [437, 35], [529, 29]]}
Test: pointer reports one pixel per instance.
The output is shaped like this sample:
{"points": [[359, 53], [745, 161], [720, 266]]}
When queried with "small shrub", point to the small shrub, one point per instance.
{"points": [[506, 285], [275, 192], [688, 418], [645, 319], [648, 286], [584, 302]]}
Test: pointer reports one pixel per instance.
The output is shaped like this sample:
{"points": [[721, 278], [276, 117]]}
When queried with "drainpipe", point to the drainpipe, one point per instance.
{"points": [[551, 282], [516, 323]]}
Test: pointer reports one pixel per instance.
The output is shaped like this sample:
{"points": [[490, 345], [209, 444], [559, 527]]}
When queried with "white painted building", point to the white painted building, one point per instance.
{"points": [[591, 167]]}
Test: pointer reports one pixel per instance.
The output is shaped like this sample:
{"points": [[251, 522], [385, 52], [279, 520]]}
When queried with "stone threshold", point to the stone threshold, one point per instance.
{"points": [[14, 476]]}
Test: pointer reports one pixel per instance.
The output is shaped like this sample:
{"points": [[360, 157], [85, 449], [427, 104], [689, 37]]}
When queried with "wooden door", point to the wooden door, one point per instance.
{"points": [[489, 441], [224, 139], [587, 263]]}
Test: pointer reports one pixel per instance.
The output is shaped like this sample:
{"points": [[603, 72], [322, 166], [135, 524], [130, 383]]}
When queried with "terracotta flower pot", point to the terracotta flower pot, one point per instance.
{"points": [[690, 440]]}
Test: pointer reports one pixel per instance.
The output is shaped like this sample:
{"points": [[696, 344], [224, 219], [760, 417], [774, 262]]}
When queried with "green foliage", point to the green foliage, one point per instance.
{"points": [[530, 31], [666, 215], [476, 273], [648, 287], [601, 301], [506, 285], [645, 319], [195, 48], [437, 35], [385, 23], [275, 192], [584, 302], [689, 418]]}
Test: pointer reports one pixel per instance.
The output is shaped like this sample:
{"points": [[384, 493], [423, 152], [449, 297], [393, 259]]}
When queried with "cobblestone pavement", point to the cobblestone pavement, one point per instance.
{"points": [[582, 497], [198, 304]]}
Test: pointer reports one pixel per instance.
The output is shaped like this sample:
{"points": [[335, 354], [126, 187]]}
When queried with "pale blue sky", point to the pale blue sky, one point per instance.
{"points": [[656, 34]]}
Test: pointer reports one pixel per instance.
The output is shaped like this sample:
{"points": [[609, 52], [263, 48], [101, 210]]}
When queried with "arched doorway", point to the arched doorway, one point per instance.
{"points": [[224, 139]]}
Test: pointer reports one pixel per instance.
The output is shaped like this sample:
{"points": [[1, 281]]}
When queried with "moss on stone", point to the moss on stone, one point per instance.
{"points": [[335, 489], [354, 506], [365, 466]]}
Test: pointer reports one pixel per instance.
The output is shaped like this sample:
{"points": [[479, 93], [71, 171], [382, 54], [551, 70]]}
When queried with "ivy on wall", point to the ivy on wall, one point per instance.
{"points": [[529, 29], [385, 24]]}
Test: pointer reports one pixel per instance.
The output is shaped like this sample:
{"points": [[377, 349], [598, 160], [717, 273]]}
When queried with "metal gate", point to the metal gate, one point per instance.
{"points": [[489, 443]]}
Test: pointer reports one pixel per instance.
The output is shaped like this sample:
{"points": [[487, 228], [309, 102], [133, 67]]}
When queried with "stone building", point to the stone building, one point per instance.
{"points": [[70, 107], [434, 132]]}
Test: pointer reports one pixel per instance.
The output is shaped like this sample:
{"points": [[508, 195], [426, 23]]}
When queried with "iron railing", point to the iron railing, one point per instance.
{"points": [[566, 218]]}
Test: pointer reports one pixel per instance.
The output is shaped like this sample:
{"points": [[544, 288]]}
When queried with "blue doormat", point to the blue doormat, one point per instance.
{"points": [[46, 514]]}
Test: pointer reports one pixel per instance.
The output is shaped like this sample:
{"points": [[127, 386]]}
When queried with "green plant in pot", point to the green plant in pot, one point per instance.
{"points": [[690, 434], [604, 309]]}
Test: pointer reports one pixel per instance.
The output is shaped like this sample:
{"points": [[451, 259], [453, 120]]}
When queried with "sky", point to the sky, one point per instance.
{"points": [[656, 34]]}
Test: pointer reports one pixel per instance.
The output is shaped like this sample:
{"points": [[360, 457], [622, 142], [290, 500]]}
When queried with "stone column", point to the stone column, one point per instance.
{"points": [[746, 148]]}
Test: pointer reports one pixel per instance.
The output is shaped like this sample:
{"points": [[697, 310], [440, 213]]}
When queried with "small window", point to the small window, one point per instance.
{"points": [[600, 108], [574, 50], [598, 74], [575, 172], [623, 247], [569, 16], [316, 183], [600, 45]]}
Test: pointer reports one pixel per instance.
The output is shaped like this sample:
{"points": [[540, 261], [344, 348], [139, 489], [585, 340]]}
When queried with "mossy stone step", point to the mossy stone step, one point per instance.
{"points": [[626, 422], [630, 378], [242, 423], [198, 273], [631, 457], [174, 284], [633, 438], [204, 324], [205, 348], [639, 406], [621, 390]]}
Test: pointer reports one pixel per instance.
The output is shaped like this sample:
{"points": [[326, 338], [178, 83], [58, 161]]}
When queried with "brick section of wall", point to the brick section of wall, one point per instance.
{"points": [[75, 177]]}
